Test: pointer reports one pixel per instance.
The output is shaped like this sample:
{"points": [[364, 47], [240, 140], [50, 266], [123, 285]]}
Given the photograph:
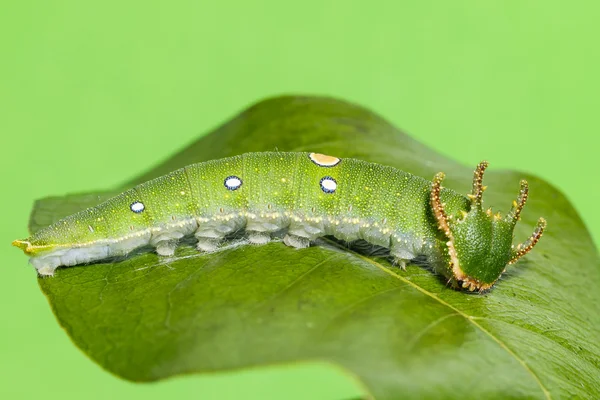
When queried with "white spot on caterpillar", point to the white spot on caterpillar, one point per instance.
{"points": [[233, 182], [90, 228], [328, 184], [137, 207], [324, 161]]}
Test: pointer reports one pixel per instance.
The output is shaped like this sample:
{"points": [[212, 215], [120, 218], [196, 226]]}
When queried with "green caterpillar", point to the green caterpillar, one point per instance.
{"points": [[309, 195]]}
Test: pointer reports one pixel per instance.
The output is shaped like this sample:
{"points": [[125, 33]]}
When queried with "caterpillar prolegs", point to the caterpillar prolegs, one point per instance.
{"points": [[308, 194]]}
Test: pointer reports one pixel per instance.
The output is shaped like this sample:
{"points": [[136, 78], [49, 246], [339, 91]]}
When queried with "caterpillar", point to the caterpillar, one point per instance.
{"points": [[308, 195]]}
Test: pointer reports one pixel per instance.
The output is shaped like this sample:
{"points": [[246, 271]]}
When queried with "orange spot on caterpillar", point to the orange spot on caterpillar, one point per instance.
{"points": [[323, 160]]}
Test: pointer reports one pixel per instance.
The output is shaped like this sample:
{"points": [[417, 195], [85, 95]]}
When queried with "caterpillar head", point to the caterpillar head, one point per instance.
{"points": [[480, 243]]}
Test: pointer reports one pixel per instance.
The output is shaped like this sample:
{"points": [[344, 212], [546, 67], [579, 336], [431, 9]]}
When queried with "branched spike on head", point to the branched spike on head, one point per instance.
{"points": [[478, 188], [479, 243], [529, 244], [437, 206], [517, 206]]}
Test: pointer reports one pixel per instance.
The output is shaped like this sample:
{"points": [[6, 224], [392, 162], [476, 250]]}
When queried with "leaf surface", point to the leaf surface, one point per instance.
{"points": [[403, 334]]}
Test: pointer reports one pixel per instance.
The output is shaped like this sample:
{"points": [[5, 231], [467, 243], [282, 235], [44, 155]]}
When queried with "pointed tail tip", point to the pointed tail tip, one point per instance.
{"points": [[22, 244]]}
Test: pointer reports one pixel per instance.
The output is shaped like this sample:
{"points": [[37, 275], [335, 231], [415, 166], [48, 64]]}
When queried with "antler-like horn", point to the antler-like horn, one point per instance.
{"points": [[517, 205], [437, 206], [478, 188], [530, 243]]}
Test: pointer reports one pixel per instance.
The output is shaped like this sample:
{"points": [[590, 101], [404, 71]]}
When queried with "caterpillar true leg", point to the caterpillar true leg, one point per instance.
{"points": [[401, 263], [401, 256]]}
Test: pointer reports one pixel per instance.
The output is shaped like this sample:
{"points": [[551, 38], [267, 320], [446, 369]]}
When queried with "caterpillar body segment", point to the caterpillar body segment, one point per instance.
{"points": [[307, 195]]}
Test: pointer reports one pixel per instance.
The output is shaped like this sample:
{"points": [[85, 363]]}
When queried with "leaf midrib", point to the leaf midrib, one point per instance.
{"points": [[467, 317]]}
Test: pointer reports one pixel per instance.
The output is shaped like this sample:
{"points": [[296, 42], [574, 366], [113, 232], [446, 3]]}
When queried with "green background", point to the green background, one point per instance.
{"points": [[92, 95]]}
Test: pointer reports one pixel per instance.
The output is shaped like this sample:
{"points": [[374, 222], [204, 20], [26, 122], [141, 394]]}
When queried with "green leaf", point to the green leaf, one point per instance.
{"points": [[404, 334]]}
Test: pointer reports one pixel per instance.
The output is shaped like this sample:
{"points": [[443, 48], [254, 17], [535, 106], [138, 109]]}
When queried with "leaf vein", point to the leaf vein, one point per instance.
{"points": [[459, 312], [294, 282]]}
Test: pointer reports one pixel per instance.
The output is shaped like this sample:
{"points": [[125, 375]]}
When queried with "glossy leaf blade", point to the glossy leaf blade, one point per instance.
{"points": [[404, 334]]}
